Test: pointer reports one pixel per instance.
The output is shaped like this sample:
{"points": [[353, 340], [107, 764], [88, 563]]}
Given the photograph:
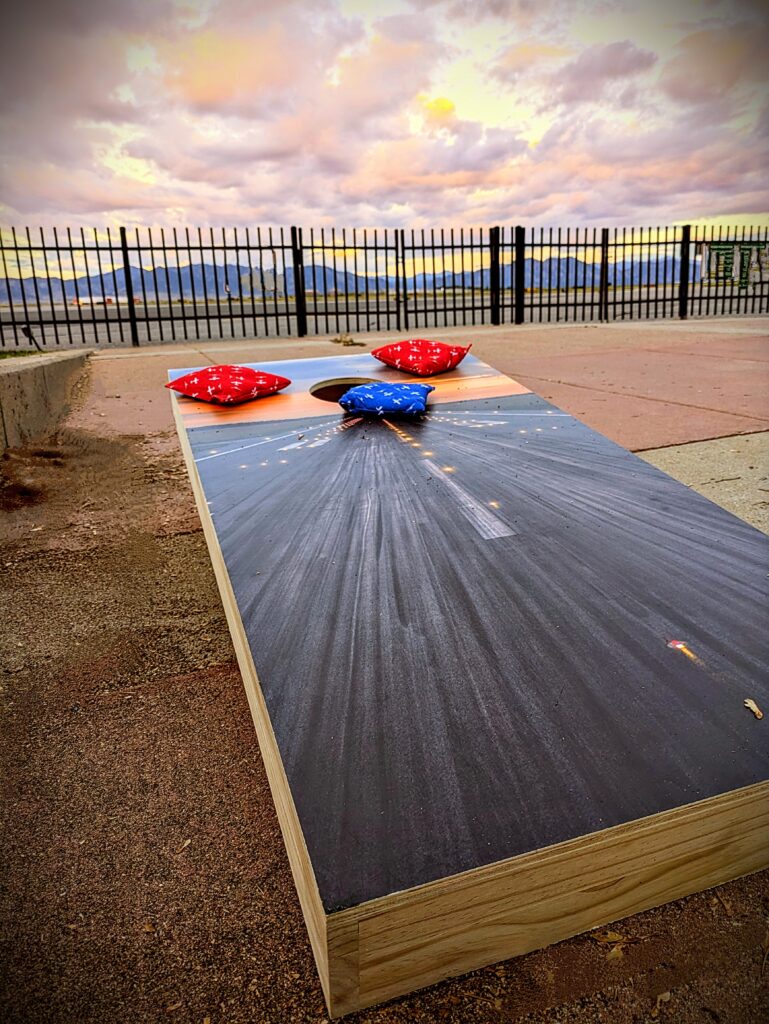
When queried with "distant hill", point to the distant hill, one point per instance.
{"points": [[202, 279]]}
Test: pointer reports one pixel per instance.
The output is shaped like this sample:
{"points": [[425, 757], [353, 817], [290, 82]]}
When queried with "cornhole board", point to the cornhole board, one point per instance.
{"points": [[496, 664]]}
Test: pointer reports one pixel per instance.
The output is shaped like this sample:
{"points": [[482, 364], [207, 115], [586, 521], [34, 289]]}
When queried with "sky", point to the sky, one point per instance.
{"points": [[414, 113]]}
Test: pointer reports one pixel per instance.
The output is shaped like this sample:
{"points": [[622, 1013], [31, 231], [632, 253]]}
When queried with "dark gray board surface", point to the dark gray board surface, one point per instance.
{"points": [[465, 654]]}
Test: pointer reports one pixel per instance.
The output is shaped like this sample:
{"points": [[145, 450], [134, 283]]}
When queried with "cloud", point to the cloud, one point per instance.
{"points": [[586, 78], [518, 12], [520, 58], [711, 63], [252, 65], [247, 111]]}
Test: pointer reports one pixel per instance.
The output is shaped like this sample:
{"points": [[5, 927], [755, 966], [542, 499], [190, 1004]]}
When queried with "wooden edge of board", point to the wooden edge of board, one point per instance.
{"points": [[293, 837], [398, 943], [423, 935]]}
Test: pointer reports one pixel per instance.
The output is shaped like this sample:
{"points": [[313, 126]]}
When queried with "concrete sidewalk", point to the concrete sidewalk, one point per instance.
{"points": [[648, 385], [144, 869], [651, 387]]}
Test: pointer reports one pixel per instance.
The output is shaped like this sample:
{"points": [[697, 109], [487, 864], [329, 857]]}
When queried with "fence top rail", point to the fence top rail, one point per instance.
{"points": [[97, 238]]}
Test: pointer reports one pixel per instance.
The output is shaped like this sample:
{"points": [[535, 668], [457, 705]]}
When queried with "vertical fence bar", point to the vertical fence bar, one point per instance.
{"points": [[143, 282], [463, 275], [105, 304], [453, 279], [423, 258], [226, 281], [335, 280], [443, 278], [205, 282], [568, 265], [603, 277], [325, 276], [538, 272], [742, 294], [164, 250], [656, 269], [251, 283], [520, 272], [115, 288], [89, 287], [22, 286], [472, 278], [49, 283], [180, 286], [435, 278], [386, 279], [217, 292], [283, 247], [129, 290], [76, 286], [683, 273], [720, 282], [300, 298], [193, 291], [36, 287], [586, 249], [367, 303], [397, 281], [14, 323], [592, 272], [494, 274], [346, 282], [314, 281], [355, 276], [154, 284], [405, 282]]}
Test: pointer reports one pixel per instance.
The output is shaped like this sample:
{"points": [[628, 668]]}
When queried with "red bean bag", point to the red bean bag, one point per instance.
{"points": [[421, 357], [228, 385]]}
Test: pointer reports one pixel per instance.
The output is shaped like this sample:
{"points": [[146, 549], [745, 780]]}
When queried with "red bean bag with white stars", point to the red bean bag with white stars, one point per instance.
{"points": [[228, 385], [421, 356]]}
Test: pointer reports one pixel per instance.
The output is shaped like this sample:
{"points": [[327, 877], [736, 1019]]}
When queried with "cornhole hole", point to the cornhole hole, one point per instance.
{"points": [[497, 667]]}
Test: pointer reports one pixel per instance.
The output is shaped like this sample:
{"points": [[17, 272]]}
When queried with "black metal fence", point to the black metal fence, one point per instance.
{"points": [[139, 286]]}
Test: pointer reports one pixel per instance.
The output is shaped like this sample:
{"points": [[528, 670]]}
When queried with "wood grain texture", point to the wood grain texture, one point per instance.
{"points": [[477, 733], [301, 867], [416, 938]]}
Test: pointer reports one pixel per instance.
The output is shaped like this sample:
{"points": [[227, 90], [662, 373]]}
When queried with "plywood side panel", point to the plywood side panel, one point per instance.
{"points": [[301, 868], [343, 965], [416, 938]]}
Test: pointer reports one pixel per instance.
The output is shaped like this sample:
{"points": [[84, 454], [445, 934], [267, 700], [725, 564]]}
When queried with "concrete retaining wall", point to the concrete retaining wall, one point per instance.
{"points": [[34, 392]]}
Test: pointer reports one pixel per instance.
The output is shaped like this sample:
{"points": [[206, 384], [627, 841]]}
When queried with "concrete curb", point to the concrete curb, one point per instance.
{"points": [[34, 392]]}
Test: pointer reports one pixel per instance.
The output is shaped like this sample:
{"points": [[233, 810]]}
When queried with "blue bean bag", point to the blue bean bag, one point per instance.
{"points": [[385, 399]]}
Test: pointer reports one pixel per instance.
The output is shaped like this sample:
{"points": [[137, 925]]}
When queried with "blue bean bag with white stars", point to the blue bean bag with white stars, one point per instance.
{"points": [[385, 399]]}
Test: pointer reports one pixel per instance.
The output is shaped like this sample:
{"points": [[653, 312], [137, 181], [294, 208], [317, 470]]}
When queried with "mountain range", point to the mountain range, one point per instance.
{"points": [[199, 279]]}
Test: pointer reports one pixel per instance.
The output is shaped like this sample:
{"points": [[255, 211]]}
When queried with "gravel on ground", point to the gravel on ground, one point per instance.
{"points": [[143, 872]]}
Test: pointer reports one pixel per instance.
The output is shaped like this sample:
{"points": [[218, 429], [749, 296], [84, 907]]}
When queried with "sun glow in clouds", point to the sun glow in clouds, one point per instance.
{"points": [[400, 113]]}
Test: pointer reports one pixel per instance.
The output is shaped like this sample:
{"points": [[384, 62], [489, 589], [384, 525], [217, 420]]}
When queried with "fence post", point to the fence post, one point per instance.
{"points": [[494, 274], [299, 295], [397, 283], [129, 290], [683, 272], [603, 278], [520, 272], [405, 282]]}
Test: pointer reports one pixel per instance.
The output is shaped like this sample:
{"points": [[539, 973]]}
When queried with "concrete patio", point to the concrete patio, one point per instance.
{"points": [[145, 874]]}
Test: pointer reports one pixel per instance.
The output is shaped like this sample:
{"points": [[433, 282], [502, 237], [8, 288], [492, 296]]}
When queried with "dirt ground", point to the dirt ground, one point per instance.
{"points": [[143, 872]]}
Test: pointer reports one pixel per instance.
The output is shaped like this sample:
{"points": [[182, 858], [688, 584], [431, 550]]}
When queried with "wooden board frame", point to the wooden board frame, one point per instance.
{"points": [[389, 946]]}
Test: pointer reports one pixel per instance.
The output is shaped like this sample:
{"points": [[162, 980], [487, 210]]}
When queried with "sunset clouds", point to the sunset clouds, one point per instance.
{"points": [[397, 112]]}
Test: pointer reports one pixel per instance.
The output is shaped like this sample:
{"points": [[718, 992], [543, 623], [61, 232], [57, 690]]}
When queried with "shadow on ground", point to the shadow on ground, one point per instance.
{"points": [[144, 877]]}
